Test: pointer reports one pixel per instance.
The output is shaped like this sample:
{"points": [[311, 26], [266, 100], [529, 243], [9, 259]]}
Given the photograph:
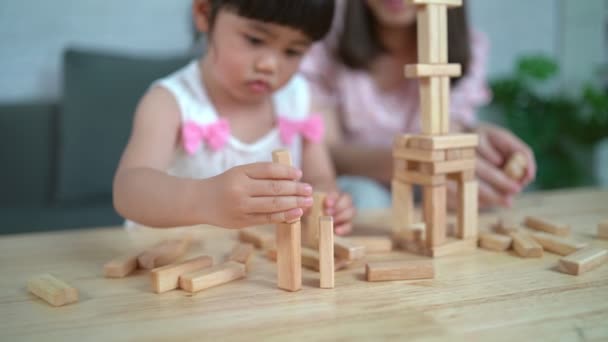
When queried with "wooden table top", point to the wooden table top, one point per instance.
{"points": [[482, 296]]}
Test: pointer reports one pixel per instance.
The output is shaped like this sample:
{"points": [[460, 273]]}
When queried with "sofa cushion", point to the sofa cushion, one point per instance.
{"points": [[101, 91], [27, 137]]}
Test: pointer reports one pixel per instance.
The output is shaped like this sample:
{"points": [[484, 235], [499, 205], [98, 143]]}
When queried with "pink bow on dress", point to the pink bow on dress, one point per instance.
{"points": [[311, 128], [215, 135]]}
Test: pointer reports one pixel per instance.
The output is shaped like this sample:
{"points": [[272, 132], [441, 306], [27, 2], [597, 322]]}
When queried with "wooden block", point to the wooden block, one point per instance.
{"points": [[432, 70], [525, 246], [418, 178], [602, 230], [460, 153], [311, 233], [467, 210], [307, 256], [434, 202], [373, 244], [164, 253], [259, 238], [557, 244], [399, 270], [411, 239], [289, 242], [453, 247], [506, 226], [212, 276], [122, 266], [547, 226], [447, 166], [403, 204], [429, 35], [242, 253], [443, 142], [418, 154], [444, 97], [449, 3], [495, 242], [344, 249], [430, 105], [462, 176], [401, 141], [583, 261], [166, 278], [54, 291], [326, 252], [516, 166]]}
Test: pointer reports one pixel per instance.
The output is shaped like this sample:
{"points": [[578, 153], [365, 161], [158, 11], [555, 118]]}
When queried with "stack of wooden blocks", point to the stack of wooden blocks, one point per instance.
{"points": [[430, 159]]}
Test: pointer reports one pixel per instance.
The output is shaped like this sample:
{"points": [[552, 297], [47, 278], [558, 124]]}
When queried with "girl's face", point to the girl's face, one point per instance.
{"points": [[251, 59], [393, 13]]}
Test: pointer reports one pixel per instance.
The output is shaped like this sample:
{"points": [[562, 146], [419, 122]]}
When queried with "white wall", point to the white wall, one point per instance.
{"points": [[33, 34]]}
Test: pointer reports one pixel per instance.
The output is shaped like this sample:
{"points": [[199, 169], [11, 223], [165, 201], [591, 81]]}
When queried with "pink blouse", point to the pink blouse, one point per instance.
{"points": [[372, 116]]}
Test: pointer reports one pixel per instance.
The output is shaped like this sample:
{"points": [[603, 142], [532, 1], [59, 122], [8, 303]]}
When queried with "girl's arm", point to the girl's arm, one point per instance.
{"points": [[243, 196]]}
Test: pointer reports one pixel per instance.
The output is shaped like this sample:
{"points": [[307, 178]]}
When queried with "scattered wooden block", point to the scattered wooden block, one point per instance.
{"points": [[495, 242], [506, 226], [311, 236], [525, 246], [373, 244], [166, 278], [54, 291], [583, 261], [242, 253], [258, 237], [547, 226], [122, 266], [289, 242], [432, 70], [213, 276], [399, 270], [344, 249], [516, 166], [164, 253], [326, 252], [557, 244], [602, 230], [452, 247]]}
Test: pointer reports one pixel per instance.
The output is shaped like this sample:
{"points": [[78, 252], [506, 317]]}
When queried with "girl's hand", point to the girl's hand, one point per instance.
{"points": [[340, 206], [256, 194], [496, 145]]}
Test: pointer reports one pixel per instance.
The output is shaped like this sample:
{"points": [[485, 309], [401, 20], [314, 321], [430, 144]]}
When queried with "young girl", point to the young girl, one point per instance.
{"points": [[203, 137], [357, 75]]}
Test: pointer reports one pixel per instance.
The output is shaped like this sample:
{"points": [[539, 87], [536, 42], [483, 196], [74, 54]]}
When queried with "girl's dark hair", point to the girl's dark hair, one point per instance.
{"points": [[313, 17], [359, 43]]}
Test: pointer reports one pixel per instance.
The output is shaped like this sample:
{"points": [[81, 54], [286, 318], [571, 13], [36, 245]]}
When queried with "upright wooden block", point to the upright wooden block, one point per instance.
{"points": [[344, 249], [430, 105], [166, 278], [122, 266], [583, 261], [525, 246], [289, 243], [54, 291], [326, 252], [311, 235], [258, 237], [516, 166], [434, 198], [444, 97], [495, 242], [547, 226], [242, 253], [399, 270], [557, 244], [403, 205], [164, 253], [429, 34], [467, 210], [373, 244], [213, 276], [602, 230]]}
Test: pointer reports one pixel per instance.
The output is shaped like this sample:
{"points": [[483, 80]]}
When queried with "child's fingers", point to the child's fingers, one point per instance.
{"points": [[496, 178], [272, 171], [345, 215], [488, 151], [343, 229], [279, 217], [276, 204], [278, 188]]}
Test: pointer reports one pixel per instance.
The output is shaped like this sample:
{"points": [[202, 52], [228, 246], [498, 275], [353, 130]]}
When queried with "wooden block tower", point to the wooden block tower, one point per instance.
{"points": [[430, 159]]}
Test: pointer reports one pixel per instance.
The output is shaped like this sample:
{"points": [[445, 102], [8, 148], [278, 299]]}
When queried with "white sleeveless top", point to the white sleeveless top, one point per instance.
{"points": [[291, 102]]}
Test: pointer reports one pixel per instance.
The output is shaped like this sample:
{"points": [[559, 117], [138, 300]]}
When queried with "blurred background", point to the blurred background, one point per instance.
{"points": [[71, 72]]}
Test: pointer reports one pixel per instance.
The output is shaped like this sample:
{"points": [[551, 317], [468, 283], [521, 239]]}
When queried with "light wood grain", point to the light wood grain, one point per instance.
{"points": [[483, 296]]}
